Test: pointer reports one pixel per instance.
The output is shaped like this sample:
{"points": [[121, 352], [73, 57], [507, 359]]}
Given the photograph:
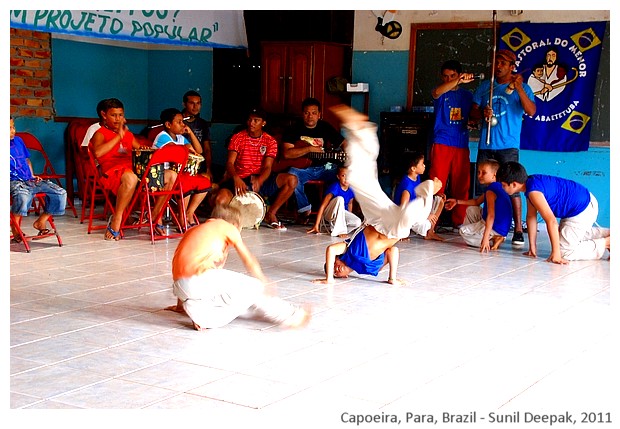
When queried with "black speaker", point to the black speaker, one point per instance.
{"points": [[403, 133]]}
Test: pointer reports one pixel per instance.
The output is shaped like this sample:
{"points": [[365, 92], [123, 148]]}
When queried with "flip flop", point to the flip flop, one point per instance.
{"points": [[43, 231], [158, 229], [16, 239], [115, 234], [276, 225]]}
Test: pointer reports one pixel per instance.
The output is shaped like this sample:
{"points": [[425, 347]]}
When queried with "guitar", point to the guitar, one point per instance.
{"points": [[305, 161]]}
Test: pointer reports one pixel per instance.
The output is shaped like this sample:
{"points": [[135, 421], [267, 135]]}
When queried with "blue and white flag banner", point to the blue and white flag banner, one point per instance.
{"points": [[560, 63], [201, 28]]}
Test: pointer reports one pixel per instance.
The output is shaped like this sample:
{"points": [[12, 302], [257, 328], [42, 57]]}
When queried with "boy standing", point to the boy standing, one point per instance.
{"points": [[449, 155], [405, 192], [24, 185], [488, 217], [337, 208], [213, 296], [553, 197]]}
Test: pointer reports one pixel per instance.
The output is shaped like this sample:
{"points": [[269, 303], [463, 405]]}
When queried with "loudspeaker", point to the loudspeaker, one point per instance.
{"points": [[403, 133]]}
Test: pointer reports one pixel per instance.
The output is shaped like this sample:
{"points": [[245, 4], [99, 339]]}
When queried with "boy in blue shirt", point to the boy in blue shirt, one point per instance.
{"points": [[336, 210], [25, 185], [574, 238], [488, 216], [405, 192]]}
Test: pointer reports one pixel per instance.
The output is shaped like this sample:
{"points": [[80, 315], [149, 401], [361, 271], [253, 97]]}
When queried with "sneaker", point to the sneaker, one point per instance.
{"points": [[517, 239]]}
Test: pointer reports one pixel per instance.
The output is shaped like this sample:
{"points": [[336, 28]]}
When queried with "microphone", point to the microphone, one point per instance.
{"points": [[479, 76]]}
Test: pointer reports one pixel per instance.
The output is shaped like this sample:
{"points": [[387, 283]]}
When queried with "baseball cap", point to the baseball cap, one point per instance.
{"points": [[506, 55], [258, 112]]}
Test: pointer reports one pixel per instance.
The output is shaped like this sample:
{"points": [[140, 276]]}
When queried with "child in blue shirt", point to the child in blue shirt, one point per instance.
{"points": [[24, 185], [488, 217], [575, 237], [405, 192], [336, 211]]}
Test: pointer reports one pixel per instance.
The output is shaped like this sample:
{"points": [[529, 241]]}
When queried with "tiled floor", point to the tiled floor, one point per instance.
{"points": [[470, 332]]}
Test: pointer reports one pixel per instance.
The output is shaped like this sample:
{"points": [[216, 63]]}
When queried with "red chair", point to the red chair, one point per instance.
{"points": [[94, 191], [146, 194], [20, 237], [48, 172]]}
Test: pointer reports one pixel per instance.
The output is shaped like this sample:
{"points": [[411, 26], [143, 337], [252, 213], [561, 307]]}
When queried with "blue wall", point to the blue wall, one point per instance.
{"points": [[387, 75], [148, 81]]}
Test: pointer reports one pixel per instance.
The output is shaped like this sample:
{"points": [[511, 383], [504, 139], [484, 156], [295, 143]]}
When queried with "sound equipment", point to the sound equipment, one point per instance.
{"points": [[403, 133]]}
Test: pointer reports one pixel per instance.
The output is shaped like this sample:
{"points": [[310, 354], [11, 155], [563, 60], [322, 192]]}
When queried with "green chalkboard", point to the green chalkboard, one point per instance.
{"points": [[471, 44]]}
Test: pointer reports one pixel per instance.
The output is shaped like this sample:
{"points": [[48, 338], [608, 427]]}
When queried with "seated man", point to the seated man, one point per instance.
{"points": [[195, 188], [24, 185], [307, 147], [385, 222], [112, 145], [250, 157]]}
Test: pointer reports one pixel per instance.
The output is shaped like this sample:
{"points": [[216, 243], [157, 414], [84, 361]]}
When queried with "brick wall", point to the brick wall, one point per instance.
{"points": [[31, 74]]}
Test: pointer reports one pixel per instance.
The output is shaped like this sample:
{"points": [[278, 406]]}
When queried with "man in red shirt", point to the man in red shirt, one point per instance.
{"points": [[251, 153]]}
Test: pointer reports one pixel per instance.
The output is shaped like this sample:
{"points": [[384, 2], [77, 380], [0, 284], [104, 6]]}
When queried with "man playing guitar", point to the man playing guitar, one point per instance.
{"points": [[312, 150]]}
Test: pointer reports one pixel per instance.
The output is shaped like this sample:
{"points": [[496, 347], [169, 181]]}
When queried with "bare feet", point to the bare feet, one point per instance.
{"points": [[347, 115], [496, 240], [432, 235], [299, 319], [198, 328]]}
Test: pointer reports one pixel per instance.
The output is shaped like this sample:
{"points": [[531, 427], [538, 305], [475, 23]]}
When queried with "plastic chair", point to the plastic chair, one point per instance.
{"points": [[48, 172], [94, 191], [146, 194], [20, 237]]}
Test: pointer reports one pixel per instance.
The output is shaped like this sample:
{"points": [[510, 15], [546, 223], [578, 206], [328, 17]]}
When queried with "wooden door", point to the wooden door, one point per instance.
{"points": [[299, 81], [274, 77]]}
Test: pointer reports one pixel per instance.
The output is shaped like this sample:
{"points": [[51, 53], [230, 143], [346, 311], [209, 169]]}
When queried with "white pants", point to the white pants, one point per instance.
{"points": [[579, 240], [217, 297], [472, 229], [379, 210], [337, 219]]}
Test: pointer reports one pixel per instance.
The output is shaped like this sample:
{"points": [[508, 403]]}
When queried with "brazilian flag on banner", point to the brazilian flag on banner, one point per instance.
{"points": [[560, 63]]}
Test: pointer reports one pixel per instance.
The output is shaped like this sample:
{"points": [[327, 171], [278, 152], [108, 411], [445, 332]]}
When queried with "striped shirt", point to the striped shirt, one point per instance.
{"points": [[251, 151]]}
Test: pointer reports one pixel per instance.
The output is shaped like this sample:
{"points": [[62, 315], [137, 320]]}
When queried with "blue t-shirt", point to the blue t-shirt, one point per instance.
{"points": [[565, 197], [20, 170], [406, 184], [509, 112], [164, 138], [451, 113], [337, 191], [503, 209], [356, 256]]}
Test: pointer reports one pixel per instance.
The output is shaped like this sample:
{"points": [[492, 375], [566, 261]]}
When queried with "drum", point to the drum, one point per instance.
{"points": [[140, 159], [193, 164], [252, 208]]}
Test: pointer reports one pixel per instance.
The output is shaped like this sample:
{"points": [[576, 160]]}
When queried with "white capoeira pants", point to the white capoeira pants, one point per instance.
{"points": [[472, 229], [218, 296], [337, 219], [579, 240], [388, 218]]}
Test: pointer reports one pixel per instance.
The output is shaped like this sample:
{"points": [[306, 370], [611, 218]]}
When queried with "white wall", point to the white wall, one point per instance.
{"points": [[365, 37]]}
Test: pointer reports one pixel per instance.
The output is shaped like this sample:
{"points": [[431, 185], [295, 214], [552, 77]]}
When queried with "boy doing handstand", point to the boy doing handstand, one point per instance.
{"points": [[372, 247]]}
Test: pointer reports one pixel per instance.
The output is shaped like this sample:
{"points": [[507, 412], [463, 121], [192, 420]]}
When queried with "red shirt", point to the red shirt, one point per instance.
{"points": [[251, 151], [120, 154]]}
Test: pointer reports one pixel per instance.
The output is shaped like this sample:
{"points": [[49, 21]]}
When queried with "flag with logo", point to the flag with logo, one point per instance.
{"points": [[560, 63]]}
